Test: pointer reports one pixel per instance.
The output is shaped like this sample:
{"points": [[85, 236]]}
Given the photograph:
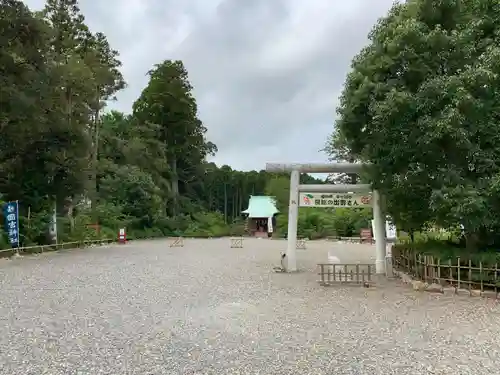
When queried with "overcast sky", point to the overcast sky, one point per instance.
{"points": [[266, 73]]}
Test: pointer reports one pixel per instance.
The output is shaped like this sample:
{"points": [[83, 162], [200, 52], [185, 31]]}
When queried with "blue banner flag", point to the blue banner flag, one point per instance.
{"points": [[11, 218]]}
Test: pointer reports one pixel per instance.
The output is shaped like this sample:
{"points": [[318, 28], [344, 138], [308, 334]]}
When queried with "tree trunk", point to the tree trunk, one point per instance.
{"points": [[238, 202], [70, 216], [93, 190], [234, 208], [69, 114], [225, 202], [95, 159], [210, 200], [175, 186], [471, 241]]}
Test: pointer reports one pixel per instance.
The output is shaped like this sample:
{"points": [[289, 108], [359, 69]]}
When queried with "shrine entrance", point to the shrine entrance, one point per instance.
{"points": [[329, 195]]}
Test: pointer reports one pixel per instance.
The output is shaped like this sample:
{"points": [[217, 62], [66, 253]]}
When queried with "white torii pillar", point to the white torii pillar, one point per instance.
{"points": [[380, 235], [293, 209], [293, 217]]}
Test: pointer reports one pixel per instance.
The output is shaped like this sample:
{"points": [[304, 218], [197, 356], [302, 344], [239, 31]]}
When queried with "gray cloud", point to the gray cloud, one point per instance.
{"points": [[266, 74]]}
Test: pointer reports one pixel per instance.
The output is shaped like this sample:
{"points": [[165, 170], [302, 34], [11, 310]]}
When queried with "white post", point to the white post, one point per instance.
{"points": [[380, 240], [293, 213]]}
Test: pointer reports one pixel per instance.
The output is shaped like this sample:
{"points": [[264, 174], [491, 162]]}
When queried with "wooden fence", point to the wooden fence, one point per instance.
{"points": [[5, 253], [456, 272], [345, 273]]}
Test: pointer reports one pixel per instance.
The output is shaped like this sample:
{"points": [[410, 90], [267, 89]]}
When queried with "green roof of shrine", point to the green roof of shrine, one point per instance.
{"points": [[260, 206]]}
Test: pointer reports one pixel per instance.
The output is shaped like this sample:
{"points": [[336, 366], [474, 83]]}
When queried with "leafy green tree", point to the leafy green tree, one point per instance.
{"points": [[42, 154], [420, 104], [89, 73], [167, 101], [279, 187]]}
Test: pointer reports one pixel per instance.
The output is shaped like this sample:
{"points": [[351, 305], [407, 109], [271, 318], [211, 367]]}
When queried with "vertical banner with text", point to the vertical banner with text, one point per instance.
{"points": [[11, 218]]}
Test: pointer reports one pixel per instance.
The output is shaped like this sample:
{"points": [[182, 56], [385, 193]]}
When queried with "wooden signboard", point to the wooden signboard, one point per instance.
{"points": [[366, 235]]}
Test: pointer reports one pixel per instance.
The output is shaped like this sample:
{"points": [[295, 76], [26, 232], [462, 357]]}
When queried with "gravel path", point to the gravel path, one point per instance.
{"points": [[148, 309]]}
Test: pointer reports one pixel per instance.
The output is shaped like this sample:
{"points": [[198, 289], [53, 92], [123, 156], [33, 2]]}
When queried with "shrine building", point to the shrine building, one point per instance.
{"points": [[261, 216]]}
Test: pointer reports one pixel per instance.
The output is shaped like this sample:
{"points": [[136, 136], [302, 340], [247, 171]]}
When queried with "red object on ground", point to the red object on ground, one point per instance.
{"points": [[122, 236]]}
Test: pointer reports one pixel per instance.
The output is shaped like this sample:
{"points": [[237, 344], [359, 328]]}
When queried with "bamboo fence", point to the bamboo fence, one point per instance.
{"points": [[456, 272], [44, 248]]}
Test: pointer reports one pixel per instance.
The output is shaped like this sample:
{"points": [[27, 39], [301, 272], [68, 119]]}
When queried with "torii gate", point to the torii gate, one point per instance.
{"points": [[295, 188]]}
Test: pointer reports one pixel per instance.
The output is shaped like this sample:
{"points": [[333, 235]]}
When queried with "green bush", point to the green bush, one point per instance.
{"points": [[208, 224], [237, 228], [315, 223], [445, 250]]}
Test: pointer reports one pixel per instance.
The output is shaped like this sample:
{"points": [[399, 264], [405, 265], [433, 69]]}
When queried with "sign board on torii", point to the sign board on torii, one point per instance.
{"points": [[334, 200]]}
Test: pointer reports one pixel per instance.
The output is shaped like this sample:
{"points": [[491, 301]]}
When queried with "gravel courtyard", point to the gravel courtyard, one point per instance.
{"points": [[147, 309]]}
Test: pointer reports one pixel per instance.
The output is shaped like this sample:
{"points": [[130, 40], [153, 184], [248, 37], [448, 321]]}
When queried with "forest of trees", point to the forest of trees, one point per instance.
{"points": [[420, 104], [61, 149]]}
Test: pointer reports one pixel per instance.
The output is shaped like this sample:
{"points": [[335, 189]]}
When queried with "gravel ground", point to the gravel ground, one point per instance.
{"points": [[148, 309]]}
